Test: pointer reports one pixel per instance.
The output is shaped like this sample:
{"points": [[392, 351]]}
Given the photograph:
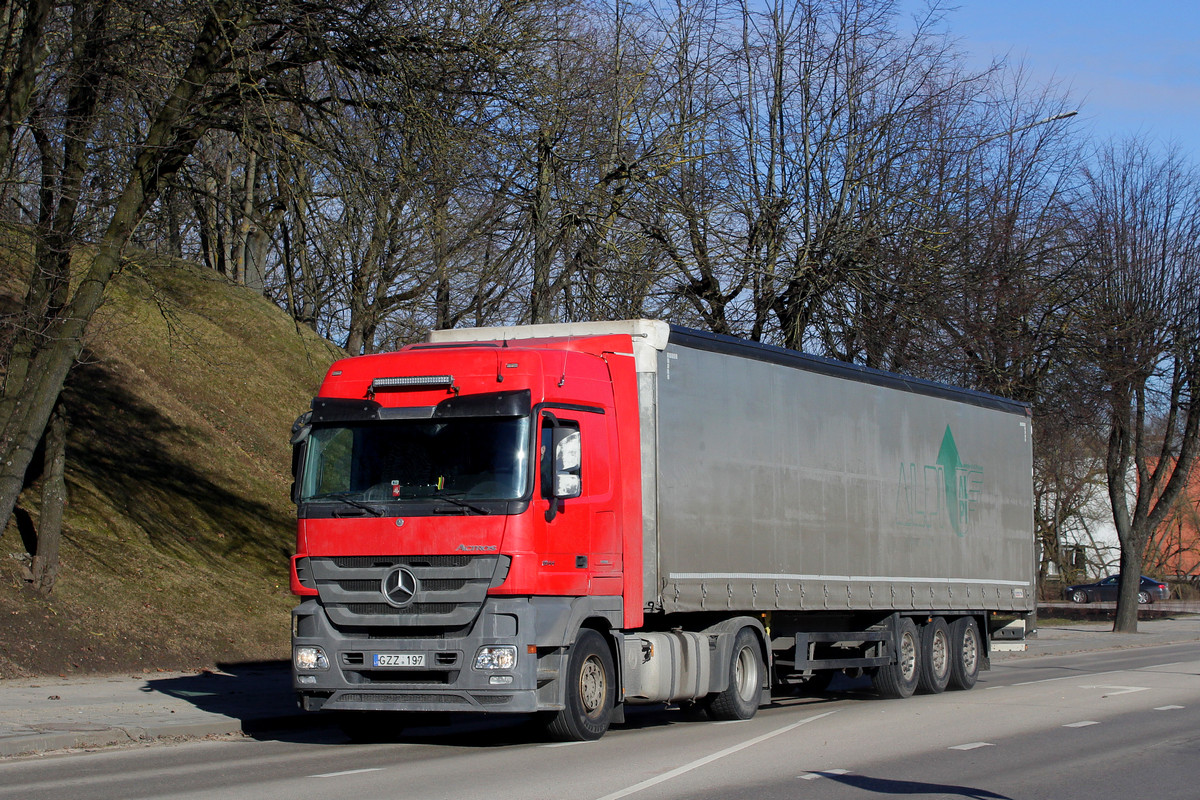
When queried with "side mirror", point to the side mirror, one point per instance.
{"points": [[568, 460], [562, 462], [301, 428]]}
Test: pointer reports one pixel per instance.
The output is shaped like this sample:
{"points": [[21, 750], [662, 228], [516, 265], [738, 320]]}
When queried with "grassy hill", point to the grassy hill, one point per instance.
{"points": [[178, 525]]}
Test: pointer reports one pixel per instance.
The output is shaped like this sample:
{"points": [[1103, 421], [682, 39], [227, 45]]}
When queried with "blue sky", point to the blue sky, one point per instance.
{"points": [[1130, 67]]}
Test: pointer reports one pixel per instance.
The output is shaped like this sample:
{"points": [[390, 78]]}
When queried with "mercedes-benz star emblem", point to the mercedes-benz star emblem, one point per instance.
{"points": [[399, 587]]}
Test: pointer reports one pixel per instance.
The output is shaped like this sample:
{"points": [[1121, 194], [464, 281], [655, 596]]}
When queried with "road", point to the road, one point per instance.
{"points": [[1122, 723]]}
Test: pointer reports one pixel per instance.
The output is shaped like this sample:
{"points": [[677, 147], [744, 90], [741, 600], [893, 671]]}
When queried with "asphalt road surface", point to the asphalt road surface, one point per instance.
{"points": [[1108, 724]]}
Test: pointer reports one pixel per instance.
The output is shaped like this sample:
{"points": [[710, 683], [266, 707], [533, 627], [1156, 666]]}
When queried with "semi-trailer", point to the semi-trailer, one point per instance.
{"points": [[566, 520]]}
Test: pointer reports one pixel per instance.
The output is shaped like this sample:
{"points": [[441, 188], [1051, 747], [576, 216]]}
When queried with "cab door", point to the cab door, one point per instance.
{"points": [[578, 538]]}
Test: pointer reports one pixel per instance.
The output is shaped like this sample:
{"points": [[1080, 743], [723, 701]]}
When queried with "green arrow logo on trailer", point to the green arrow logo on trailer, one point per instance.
{"points": [[963, 482], [931, 494]]}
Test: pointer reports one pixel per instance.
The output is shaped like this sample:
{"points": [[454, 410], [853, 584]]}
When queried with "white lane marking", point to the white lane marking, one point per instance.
{"points": [[971, 746], [812, 776], [700, 762], [1116, 690], [1081, 724], [1168, 708], [347, 772]]}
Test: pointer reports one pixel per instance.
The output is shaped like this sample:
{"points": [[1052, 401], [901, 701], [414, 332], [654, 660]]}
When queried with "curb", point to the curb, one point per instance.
{"points": [[40, 742]]}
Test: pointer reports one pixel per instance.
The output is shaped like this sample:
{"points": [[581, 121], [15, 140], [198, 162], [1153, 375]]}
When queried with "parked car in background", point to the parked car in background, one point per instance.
{"points": [[1106, 589]]}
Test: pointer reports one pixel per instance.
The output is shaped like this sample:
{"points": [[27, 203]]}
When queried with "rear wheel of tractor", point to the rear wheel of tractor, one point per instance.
{"points": [[966, 649], [899, 680], [934, 674], [590, 691], [740, 699]]}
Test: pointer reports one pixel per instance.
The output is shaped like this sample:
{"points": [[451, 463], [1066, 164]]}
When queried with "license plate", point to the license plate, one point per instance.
{"points": [[399, 659]]}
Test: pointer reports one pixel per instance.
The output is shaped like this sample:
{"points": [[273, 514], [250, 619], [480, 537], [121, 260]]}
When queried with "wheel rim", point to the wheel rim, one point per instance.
{"points": [[970, 651], [908, 656], [593, 686], [745, 673], [940, 653], [1143, 597]]}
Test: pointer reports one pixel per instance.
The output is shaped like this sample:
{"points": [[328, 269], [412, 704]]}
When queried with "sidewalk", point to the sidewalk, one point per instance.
{"points": [[47, 714]]}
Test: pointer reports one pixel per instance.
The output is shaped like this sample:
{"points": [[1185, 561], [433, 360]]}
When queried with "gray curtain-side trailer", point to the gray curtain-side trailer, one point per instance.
{"points": [[854, 519]]}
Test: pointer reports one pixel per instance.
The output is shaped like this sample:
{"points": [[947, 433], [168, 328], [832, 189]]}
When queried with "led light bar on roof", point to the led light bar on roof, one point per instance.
{"points": [[413, 381]]}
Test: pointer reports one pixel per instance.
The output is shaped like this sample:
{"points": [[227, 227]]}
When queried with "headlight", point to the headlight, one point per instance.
{"points": [[309, 658], [496, 656]]}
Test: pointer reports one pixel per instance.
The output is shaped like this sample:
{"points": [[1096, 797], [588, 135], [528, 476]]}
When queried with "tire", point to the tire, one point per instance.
{"points": [[740, 698], [1079, 596], [1144, 598], [899, 680], [936, 654], [589, 692], [966, 653]]}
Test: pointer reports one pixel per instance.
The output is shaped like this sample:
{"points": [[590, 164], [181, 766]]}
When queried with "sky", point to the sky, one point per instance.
{"points": [[1131, 68]]}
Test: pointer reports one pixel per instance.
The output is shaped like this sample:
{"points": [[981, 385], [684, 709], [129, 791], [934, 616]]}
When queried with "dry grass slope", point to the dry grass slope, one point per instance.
{"points": [[179, 525]]}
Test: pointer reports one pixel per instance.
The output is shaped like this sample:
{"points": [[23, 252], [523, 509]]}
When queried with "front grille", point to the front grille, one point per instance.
{"points": [[450, 591], [414, 608], [369, 585], [401, 676]]}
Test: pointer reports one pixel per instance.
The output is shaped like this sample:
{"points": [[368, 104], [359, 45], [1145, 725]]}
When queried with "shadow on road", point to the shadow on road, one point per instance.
{"points": [[901, 788]]}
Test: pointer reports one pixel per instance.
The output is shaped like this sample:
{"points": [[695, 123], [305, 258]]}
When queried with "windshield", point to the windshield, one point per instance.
{"points": [[481, 458]]}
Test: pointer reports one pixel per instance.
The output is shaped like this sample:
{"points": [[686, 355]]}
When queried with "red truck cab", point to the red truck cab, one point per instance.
{"points": [[464, 511]]}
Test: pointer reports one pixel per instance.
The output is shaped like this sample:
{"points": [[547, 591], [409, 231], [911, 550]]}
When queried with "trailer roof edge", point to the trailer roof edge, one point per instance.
{"points": [[718, 343]]}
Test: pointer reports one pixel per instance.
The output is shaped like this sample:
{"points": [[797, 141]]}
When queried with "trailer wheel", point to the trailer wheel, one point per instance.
{"points": [[899, 680], [934, 673], [740, 699], [966, 648], [590, 691]]}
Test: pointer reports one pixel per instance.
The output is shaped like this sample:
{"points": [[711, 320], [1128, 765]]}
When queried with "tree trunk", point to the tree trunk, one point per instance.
{"points": [[54, 501], [168, 142], [541, 302], [246, 224]]}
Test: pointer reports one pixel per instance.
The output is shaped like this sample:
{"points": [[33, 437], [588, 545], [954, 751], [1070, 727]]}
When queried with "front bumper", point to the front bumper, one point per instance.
{"points": [[447, 680]]}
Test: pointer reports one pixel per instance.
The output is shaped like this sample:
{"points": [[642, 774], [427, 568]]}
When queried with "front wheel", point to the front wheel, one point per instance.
{"points": [[740, 698], [1079, 596], [590, 691]]}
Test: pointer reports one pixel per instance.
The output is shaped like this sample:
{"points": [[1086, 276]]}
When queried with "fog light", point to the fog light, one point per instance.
{"points": [[306, 679], [309, 658], [500, 680], [496, 656]]}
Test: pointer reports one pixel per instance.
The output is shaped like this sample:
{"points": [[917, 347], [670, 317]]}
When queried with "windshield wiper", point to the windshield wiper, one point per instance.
{"points": [[462, 503], [343, 497]]}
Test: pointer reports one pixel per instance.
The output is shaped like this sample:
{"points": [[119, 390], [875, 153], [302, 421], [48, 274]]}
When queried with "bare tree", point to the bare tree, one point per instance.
{"points": [[1144, 220], [109, 137]]}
